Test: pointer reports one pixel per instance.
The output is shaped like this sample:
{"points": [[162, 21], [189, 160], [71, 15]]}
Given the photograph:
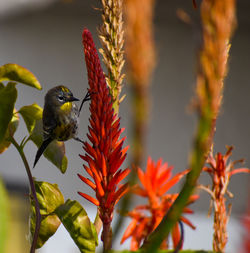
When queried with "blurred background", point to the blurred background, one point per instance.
{"points": [[45, 37]]}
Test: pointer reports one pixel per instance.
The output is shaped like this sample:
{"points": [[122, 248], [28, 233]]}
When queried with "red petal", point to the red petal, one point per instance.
{"points": [[94, 170], [240, 170], [139, 191], [89, 150], [188, 222], [188, 210], [117, 164], [119, 176], [134, 244], [88, 170], [89, 198], [84, 158], [110, 199], [87, 181], [129, 231], [124, 151], [116, 153], [192, 199], [207, 169], [172, 182], [164, 176], [151, 171], [176, 235], [121, 192], [116, 124], [99, 188], [119, 143], [141, 176], [115, 137], [104, 166], [122, 175], [93, 135]]}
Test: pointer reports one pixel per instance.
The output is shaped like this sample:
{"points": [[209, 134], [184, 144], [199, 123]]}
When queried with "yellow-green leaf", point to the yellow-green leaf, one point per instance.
{"points": [[55, 152], [11, 129], [17, 73], [31, 113], [8, 97], [49, 198], [79, 226]]}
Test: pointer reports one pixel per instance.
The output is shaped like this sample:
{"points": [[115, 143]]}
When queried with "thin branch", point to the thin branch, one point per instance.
{"points": [[33, 193]]}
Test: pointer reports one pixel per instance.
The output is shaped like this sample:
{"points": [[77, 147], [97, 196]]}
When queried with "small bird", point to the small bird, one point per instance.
{"points": [[60, 117]]}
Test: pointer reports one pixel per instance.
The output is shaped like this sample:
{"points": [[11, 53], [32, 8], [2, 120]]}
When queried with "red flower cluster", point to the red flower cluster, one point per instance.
{"points": [[156, 181], [104, 150]]}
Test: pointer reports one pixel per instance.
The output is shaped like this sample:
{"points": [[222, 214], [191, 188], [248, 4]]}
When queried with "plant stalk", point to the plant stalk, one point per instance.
{"points": [[106, 237], [33, 193]]}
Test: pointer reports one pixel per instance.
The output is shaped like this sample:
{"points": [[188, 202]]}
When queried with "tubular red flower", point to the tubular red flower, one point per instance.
{"points": [[104, 152], [155, 181]]}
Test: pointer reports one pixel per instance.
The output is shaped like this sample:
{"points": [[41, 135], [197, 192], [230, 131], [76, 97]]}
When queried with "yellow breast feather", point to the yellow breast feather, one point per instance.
{"points": [[66, 107]]}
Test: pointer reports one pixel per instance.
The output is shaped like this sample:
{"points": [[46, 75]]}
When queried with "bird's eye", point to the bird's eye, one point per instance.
{"points": [[60, 98]]}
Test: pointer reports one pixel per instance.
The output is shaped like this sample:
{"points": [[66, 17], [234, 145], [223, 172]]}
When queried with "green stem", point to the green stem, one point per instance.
{"points": [[25, 141], [33, 193]]}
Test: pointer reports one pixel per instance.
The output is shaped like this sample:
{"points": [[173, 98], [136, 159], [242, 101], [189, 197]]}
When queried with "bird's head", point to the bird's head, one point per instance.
{"points": [[58, 96]]}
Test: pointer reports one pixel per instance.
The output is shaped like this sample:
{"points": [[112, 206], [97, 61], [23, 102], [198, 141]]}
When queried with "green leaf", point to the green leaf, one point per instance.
{"points": [[55, 152], [12, 127], [30, 114], [4, 216], [49, 198], [8, 97], [17, 73], [80, 228]]}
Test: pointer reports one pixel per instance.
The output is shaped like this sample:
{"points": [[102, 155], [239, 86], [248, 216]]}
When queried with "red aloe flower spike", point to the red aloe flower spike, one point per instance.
{"points": [[104, 152], [155, 181]]}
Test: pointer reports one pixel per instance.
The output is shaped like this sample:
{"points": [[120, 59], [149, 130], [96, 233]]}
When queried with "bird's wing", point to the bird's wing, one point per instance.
{"points": [[49, 124], [41, 150]]}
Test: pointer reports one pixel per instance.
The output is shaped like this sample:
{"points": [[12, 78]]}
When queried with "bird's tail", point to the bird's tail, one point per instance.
{"points": [[41, 150]]}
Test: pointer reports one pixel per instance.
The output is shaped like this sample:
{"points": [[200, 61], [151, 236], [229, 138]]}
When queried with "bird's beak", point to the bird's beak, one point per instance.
{"points": [[71, 99]]}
